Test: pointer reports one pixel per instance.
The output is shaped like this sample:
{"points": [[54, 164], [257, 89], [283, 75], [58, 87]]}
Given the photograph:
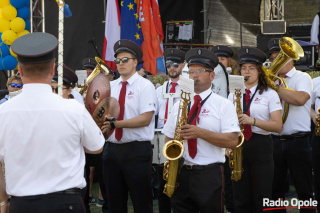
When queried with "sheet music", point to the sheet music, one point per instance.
{"points": [[236, 82], [185, 32], [187, 85], [82, 77]]}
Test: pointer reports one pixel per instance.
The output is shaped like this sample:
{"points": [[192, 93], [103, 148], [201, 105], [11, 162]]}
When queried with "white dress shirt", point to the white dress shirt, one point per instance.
{"points": [[140, 98], [42, 137], [217, 115], [77, 96], [298, 116], [315, 98], [315, 30], [261, 106], [162, 102]]}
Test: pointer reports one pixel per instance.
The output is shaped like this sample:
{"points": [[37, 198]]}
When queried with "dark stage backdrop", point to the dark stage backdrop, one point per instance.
{"points": [[86, 22], [181, 10]]}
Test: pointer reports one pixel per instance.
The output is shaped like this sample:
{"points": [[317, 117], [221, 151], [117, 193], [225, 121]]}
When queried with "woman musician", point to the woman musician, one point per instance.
{"points": [[261, 116]]}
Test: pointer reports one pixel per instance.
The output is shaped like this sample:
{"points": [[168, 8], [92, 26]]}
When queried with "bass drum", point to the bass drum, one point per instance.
{"points": [[220, 82]]}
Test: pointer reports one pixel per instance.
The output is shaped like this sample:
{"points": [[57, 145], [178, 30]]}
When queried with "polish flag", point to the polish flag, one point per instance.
{"points": [[111, 33]]}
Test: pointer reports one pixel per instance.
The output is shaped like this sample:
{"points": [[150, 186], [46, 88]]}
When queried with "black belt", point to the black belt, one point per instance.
{"points": [[290, 137], [192, 167], [73, 191]]}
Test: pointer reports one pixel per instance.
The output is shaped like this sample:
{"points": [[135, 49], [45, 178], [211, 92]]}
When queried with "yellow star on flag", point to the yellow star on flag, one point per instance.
{"points": [[136, 15], [130, 6], [122, 3], [137, 36], [138, 25]]}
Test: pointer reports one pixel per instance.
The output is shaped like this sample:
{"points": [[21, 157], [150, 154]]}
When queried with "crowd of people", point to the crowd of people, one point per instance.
{"points": [[52, 147]]}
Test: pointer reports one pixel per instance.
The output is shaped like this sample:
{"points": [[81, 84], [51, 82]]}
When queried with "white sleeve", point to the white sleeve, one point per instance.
{"points": [[314, 91], [305, 83], [170, 126], [274, 101], [229, 121], [315, 30], [148, 101], [91, 136]]}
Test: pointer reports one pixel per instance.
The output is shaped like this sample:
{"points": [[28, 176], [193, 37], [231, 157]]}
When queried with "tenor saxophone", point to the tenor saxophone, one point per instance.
{"points": [[235, 157], [173, 150]]}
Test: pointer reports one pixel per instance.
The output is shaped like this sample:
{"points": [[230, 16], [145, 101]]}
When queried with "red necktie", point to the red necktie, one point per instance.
{"points": [[172, 90], [122, 100], [192, 143], [247, 132]]}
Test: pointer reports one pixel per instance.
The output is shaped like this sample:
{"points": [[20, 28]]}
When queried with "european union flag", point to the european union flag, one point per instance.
{"points": [[130, 25]]}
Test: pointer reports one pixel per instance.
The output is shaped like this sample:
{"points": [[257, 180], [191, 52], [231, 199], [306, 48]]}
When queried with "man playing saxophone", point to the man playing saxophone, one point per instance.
{"points": [[212, 127]]}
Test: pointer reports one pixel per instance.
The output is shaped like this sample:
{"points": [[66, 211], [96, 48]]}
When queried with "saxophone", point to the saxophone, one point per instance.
{"points": [[235, 157], [317, 125], [173, 150]]}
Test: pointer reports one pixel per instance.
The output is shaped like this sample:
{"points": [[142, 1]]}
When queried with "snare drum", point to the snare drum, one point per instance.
{"points": [[157, 144]]}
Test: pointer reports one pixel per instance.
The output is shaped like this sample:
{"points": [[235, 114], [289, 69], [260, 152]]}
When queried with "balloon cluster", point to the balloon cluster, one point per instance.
{"points": [[14, 15]]}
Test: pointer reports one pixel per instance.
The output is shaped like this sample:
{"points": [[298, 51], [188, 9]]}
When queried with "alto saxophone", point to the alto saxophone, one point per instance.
{"points": [[173, 150], [235, 157]]}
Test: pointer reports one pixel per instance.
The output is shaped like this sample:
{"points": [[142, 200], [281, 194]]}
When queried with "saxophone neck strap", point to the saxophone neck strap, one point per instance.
{"points": [[196, 112]]}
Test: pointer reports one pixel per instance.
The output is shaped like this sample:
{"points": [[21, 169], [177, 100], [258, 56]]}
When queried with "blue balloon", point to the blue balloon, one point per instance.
{"points": [[1, 64], [5, 50], [17, 3], [27, 3], [27, 24], [9, 62], [23, 12]]}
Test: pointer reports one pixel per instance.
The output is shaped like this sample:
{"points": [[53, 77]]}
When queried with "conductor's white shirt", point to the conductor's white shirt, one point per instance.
{"points": [[140, 98], [162, 102], [217, 115], [261, 106], [42, 137]]}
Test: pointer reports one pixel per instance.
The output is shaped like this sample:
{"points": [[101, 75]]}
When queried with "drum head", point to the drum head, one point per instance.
{"points": [[98, 90], [107, 107]]}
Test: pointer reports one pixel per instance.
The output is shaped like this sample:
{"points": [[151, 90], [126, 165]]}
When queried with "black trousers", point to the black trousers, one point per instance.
{"points": [[127, 168], [200, 190], [163, 200], [316, 166], [50, 203], [228, 188], [256, 181], [295, 155], [95, 160]]}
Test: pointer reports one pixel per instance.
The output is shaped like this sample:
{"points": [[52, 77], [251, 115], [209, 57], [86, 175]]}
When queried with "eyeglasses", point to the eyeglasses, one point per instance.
{"points": [[16, 85], [198, 71], [246, 68], [169, 64], [55, 89], [124, 60]]}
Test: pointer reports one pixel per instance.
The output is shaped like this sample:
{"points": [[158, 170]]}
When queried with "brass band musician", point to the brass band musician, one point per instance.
{"points": [[261, 116], [292, 148], [213, 126]]}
